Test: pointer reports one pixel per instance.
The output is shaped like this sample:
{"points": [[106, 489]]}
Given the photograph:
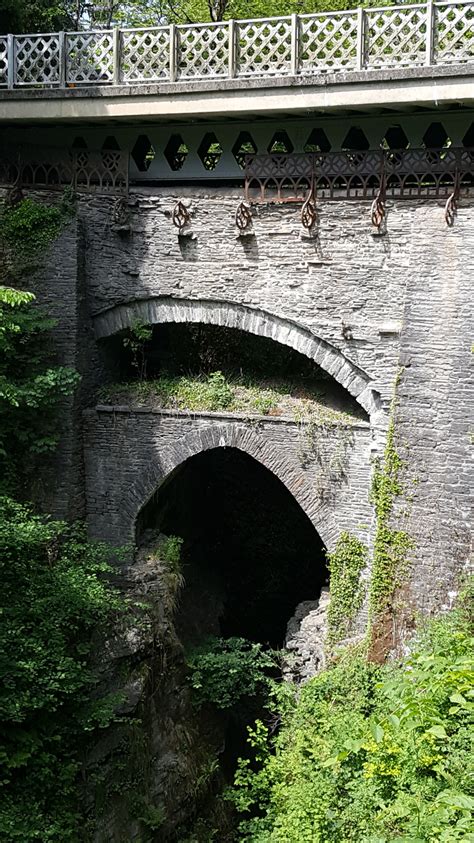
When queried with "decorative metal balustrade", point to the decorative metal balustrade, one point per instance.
{"points": [[412, 35], [406, 173], [101, 171]]}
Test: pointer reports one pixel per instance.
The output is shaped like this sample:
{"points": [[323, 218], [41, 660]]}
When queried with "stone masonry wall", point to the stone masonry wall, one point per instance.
{"points": [[129, 452], [346, 274], [405, 296], [435, 412]]}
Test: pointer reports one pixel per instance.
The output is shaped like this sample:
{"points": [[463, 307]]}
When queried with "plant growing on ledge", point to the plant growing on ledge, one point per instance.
{"points": [[135, 343]]}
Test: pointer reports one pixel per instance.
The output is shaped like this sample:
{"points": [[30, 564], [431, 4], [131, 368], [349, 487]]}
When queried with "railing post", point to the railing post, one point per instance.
{"points": [[10, 61], [173, 53], [295, 45], [116, 55], [360, 52], [232, 51], [62, 59], [429, 46]]}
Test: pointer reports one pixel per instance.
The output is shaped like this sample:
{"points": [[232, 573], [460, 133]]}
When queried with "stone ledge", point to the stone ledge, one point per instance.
{"points": [[212, 415]]}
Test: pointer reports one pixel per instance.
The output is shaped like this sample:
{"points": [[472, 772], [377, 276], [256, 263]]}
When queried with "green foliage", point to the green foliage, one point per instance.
{"points": [[53, 598], [170, 551], [30, 389], [371, 753], [345, 565], [390, 545], [223, 671], [135, 342], [30, 225], [234, 393]]}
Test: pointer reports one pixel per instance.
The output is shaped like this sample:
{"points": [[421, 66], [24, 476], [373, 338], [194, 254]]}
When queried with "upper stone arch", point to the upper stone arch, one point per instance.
{"points": [[243, 438], [256, 321]]}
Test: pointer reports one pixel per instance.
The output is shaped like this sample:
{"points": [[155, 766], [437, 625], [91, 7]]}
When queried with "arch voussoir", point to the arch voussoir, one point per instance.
{"points": [[239, 436]]}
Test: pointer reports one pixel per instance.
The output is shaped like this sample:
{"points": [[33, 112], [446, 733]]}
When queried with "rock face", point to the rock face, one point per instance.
{"points": [[152, 771], [305, 637]]}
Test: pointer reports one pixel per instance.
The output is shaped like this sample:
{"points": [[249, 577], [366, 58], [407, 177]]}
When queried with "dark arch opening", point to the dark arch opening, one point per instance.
{"points": [[250, 554], [196, 350]]}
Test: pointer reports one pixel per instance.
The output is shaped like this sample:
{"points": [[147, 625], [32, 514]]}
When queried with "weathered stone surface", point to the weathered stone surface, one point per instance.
{"points": [[129, 453], [417, 278], [305, 639]]}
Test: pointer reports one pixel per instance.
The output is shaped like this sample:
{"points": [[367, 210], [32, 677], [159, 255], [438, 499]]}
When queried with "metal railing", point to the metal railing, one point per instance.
{"points": [[433, 33]]}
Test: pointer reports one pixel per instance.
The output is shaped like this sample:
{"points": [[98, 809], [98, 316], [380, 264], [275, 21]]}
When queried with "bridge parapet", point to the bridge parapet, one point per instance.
{"points": [[408, 36]]}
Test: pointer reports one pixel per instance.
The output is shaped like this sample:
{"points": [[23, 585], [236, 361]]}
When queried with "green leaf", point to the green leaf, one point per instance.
{"points": [[438, 731], [377, 732]]}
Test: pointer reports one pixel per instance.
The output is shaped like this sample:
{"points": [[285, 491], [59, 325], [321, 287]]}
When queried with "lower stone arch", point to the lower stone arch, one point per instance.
{"points": [[255, 321], [248, 441]]}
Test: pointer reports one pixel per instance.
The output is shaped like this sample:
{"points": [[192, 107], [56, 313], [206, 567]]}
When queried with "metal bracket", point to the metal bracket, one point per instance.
{"points": [[378, 211], [243, 218], [451, 207], [309, 214], [180, 216]]}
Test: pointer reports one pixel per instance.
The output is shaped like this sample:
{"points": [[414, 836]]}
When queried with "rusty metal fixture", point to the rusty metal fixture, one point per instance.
{"points": [[180, 216], [402, 174], [89, 171], [243, 216], [309, 213], [14, 195], [121, 212], [377, 211], [451, 207]]}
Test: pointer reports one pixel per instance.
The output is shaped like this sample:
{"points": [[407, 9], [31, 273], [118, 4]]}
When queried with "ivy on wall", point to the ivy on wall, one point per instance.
{"points": [[27, 229], [345, 564], [390, 545]]}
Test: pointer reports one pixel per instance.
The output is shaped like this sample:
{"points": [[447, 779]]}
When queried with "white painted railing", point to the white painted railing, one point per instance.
{"points": [[433, 33]]}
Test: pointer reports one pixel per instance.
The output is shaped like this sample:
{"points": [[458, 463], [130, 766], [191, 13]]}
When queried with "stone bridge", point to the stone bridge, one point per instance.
{"points": [[332, 215], [130, 452]]}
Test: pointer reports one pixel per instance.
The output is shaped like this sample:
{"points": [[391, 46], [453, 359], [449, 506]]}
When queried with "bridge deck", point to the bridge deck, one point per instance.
{"points": [[396, 56]]}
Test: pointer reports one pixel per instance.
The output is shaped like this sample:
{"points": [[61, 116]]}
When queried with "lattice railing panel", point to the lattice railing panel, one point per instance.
{"points": [[103, 171], [454, 32], [404, 173], [202, 51], [145, 54], [89, 57], [328, 42], [363, 39], [3, 60], [37, 59], [395, 36], [264, 47]]}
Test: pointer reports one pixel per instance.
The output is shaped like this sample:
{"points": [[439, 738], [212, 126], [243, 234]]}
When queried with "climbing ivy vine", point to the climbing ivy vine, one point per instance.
{"points": [[345, 564], [390, 545]]}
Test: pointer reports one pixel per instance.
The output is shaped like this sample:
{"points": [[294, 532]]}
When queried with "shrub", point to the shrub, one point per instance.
{"points": [[371, 753], [53, 597], [223, 671]]}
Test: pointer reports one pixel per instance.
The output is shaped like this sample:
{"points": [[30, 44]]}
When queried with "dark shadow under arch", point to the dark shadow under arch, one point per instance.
{"points": [[250, 553], [165, 309]]}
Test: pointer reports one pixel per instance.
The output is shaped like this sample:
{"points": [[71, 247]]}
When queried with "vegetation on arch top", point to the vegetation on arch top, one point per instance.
{"points": [[53, 15]]}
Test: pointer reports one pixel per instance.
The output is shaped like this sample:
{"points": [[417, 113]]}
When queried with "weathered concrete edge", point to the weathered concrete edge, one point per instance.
{"points": [[133, 409], [229, 97], [190, 86]]}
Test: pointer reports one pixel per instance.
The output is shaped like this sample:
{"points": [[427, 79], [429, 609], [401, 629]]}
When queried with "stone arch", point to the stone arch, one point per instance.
{"points": [[255, 321], [239, 436]]}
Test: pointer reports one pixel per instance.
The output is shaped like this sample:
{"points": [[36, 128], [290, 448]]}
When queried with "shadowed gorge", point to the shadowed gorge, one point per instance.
{"points": [[250, 554]]}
